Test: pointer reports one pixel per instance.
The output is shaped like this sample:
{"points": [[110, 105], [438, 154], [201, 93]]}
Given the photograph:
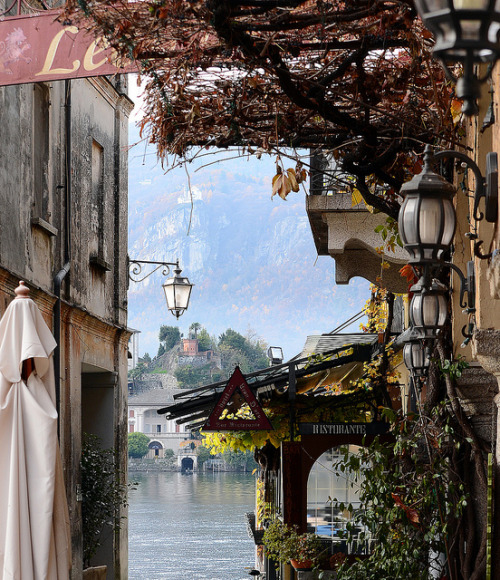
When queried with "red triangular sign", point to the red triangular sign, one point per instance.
{"points": [[236, 392]]}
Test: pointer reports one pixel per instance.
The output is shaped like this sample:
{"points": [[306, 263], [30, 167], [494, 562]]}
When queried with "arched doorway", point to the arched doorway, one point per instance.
{"points": [[187, 464], [333, 501], [155, 449]]}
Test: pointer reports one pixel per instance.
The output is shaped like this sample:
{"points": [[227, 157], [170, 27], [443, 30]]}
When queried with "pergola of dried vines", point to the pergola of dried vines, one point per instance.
{"points": [[356, 77]]}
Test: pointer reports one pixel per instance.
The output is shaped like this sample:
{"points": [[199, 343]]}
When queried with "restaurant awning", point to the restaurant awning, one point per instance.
{"points": [[328, 360]]}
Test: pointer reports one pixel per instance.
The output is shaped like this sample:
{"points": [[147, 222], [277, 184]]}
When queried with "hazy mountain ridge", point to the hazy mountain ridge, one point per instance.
{"points": [[252, 259]]}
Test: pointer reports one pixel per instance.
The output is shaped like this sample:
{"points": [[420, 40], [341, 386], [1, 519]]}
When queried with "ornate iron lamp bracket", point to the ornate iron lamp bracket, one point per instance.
{"points": [[467, 284], [135, 268], [485, 187]]}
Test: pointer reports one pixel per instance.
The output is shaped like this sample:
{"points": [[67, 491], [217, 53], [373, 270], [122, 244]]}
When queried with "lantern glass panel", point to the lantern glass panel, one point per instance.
{"points": [[434, 310], [471, 29], [430, 220], [182, 292], [169, 295], [408, 220], [415, 310], [470, 4], [447, 31], [433, 5], [493, 30], [450, 222]]}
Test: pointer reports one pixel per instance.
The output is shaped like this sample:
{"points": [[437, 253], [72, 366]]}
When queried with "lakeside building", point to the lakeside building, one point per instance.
{"points": [[143, 418]]}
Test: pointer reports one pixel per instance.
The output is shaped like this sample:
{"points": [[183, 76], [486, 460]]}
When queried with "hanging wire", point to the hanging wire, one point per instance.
{"points": [[347, 323]]}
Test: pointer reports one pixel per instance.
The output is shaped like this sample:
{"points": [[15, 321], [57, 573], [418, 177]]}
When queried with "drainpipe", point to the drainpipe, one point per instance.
{"points": [[59, 277]]}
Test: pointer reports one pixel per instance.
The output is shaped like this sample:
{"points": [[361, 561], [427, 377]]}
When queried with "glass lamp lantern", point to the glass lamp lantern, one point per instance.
{"points": [[415, 356], [428, 308], [177, 293], [466, 31], [275, 355], [427, 218]]}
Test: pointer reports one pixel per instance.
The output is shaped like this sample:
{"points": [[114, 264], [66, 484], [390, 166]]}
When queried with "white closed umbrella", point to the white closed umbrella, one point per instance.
{"points": [[34, 520]]}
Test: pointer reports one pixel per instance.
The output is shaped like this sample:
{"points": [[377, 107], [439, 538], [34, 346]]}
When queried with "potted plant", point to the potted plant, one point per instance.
{"points": [[103, 494], [284, 544]]}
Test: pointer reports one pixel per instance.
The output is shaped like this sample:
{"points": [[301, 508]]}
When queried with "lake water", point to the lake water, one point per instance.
{"points": [[190, 527]]}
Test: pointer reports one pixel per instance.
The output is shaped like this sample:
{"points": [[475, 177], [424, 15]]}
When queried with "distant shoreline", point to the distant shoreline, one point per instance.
{"points": [[143, 467]]}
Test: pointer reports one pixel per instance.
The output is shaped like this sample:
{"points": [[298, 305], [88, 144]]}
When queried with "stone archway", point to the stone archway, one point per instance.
{"points": [[333, 502], [298, 459], [187, 465], [155, 450]]}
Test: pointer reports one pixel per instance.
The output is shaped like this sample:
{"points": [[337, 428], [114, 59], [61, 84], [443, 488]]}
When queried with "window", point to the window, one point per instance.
{"points": [[326, 489], [97, 209], [131, 413], [41, 152], [158, 428], [131, 428]]}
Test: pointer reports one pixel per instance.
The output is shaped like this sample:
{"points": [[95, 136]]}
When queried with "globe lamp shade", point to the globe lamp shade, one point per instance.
{"points": [[427, 218], [428, 309], [177, 293]]}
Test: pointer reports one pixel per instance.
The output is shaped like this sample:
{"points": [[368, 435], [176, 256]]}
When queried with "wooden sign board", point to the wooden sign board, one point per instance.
{"points": [[374, 428], [236, 393], [40, 47]]}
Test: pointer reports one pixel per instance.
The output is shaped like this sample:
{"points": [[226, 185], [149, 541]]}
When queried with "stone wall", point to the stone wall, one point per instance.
{"points": [[63, 200], [154, 381]]}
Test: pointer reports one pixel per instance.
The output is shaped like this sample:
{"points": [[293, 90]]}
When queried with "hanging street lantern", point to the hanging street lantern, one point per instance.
{"points": [[177, 293], [427, 217], [428, 308], [466, 31], [177, 289]]}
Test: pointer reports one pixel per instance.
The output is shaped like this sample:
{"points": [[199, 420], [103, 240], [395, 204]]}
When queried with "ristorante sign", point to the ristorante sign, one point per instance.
{"points": [[374, 428], [39, 48]]}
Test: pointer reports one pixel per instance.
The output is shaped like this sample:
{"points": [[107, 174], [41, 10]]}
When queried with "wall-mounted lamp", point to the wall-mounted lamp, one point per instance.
{"points": [[177, 288], [428, 308], [466, 31], [427, 223], [427, 217], [416, 355]]}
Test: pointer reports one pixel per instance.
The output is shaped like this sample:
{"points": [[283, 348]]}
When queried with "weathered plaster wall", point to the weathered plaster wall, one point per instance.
{"points": [[32, 247]]}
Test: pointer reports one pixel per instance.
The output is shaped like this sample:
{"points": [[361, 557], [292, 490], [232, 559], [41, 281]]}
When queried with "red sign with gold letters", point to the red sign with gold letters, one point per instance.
{"points": [[236, 393], [39, 48]]}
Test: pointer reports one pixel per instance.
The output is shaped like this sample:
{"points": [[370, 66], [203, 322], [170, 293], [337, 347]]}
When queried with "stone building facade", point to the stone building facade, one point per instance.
{"points": [[63, 230], [143, 418]]}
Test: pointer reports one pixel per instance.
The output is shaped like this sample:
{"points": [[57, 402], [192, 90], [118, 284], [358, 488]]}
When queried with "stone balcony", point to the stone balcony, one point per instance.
{"points": [[347, 233]]}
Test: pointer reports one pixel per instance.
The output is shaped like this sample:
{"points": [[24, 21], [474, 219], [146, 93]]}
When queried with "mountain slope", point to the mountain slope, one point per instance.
{"points": [[252, 259]]}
